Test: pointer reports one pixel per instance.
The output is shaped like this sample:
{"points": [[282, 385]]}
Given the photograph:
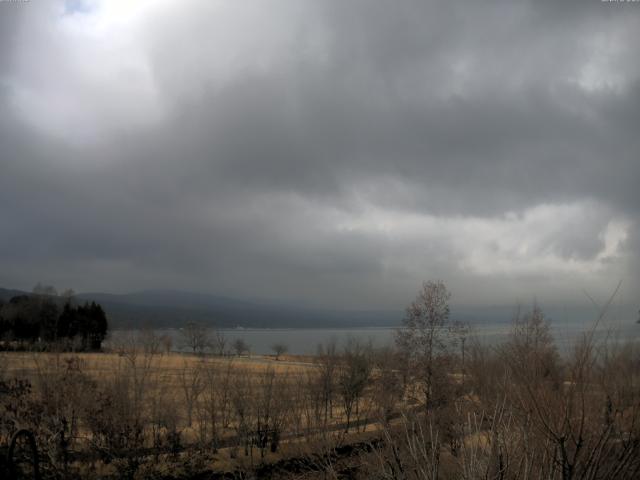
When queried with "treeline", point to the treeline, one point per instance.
{"points": [[41, 320]]}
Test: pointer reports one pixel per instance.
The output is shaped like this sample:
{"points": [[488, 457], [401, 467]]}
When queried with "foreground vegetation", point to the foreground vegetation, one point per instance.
{"points": [[439, 405]]}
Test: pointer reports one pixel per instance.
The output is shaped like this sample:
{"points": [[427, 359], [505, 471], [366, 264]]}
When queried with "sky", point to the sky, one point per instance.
{"points": [[330, 153]]}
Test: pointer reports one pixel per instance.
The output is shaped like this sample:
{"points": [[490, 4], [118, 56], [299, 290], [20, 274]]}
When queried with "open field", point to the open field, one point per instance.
{"points": [[176, 377], [97, 365], [462, 410], [239, 408]]}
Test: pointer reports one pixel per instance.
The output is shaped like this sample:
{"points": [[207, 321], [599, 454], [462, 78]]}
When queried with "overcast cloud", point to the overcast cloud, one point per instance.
{"points": [[337, 153]]}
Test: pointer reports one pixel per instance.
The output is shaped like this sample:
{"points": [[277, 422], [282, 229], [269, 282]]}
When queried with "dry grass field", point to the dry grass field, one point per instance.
{"points": [[242, 409], [194, 395], [513, 411], [175, 376], [97, 365]]}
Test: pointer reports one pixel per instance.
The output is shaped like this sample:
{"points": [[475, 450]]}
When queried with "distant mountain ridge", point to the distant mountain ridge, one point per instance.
{"points": [[7, 293], [169, 308], [172, 308]]}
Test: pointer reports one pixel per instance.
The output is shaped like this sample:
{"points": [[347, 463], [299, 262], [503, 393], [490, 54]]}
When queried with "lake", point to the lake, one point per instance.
{"points": [[305, 341]]}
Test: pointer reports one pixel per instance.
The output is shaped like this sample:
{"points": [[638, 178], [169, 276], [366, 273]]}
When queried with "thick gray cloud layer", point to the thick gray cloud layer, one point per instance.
{"points": [[334, 152]]}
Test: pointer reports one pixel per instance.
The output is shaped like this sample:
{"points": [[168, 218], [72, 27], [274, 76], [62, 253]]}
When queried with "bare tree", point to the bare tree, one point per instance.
{"points": [[219, 342], [167, 343], [195, 337], [354, 376], [388, 388], [216, 405], [530, 350], [541, 416], [137, 371], [426, 338], [240, 346], [191, 382], [463, 331], [279, 349], [241, 395], [308, 397], [149, 341], [411, 451], [327, 360], [269, 406]]}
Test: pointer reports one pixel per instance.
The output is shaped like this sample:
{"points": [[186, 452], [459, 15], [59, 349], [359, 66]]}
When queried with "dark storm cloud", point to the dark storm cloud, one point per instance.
{"points": [[337, 152]]}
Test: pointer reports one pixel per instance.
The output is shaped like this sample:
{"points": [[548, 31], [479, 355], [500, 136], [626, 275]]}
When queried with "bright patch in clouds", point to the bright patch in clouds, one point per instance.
{"points": [[96, 79], [540, 241]]}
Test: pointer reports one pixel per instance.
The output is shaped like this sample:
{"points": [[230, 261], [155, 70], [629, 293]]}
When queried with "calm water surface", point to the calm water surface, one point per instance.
{"points": [[305, 341]]}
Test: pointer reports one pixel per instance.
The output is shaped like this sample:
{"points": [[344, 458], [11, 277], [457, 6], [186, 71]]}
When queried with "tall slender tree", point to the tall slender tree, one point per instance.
{"points": [[426, 337]]}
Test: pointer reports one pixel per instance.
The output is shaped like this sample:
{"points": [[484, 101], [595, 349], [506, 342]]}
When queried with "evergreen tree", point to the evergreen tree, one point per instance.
{"points": [[37, 318]]}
